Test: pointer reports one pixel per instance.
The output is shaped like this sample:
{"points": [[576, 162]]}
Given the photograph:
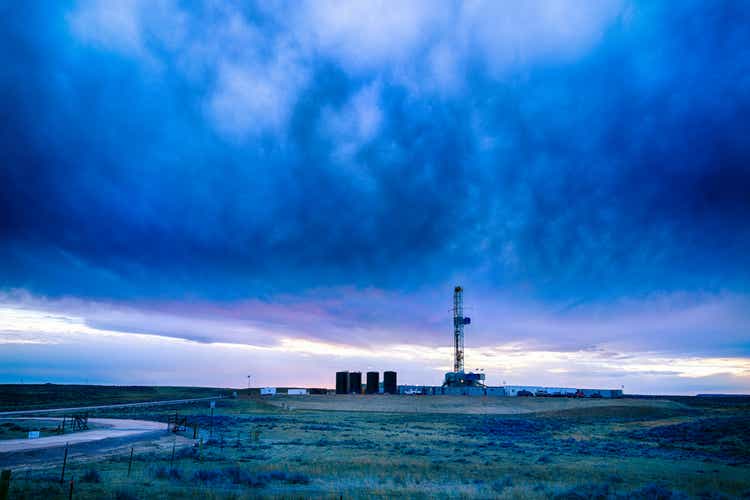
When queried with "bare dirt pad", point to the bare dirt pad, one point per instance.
{"points": [[458, 404]]}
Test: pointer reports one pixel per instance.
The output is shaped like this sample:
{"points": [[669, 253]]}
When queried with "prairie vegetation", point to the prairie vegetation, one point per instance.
{"points": [[43, 396], [547, 448], [19, 428]]}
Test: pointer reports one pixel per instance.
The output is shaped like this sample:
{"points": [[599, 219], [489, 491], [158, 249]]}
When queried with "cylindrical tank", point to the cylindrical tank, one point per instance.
{"points": [[373, 379], [389, 383], [342, 382], [355, 382]]}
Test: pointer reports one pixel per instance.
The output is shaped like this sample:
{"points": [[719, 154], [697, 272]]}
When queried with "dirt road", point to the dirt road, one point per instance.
{"points": [[116, 428]]}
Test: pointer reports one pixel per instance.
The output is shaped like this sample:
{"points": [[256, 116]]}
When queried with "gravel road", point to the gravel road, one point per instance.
{"points": [[116, 428]]}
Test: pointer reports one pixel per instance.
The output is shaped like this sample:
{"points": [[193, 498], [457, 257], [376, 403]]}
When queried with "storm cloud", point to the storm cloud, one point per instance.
{"points": [[324, 167]]}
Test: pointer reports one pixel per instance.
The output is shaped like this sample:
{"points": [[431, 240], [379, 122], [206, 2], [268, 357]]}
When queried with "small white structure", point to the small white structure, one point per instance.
{"points": [[267, 391], [33, 434], [297, 392]]}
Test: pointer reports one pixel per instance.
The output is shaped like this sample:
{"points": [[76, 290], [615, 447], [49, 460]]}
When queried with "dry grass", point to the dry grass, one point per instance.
{"points": [[463, 448], [462, 404]]}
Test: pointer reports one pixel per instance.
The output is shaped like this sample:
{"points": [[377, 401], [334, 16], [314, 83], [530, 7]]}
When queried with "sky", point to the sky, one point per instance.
{"points": [[192, 192]]}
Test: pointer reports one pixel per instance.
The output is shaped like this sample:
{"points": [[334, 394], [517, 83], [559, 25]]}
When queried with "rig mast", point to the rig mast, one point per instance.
{"points": [[459, 378], [458, 329]]}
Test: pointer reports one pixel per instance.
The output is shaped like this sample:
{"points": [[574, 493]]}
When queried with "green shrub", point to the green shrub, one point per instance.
{"points": [[162, 472], [206, 475], [91, 476], [500, 485], [123, 494]]}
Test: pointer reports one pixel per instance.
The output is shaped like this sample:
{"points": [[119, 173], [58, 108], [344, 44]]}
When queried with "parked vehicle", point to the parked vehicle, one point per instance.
{"points": [[524, 393]]}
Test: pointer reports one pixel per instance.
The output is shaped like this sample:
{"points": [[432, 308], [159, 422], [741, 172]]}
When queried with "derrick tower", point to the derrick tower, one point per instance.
{"points": [[458, 378], [458, 329]]}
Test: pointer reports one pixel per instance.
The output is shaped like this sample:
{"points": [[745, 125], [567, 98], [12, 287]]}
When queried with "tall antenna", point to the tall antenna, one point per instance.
{"points": [[458, 329]]}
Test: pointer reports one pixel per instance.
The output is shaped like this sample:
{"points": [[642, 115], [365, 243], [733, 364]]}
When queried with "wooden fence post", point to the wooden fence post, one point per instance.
{"points": [[171, 460], [130, 462], [70, 493], [65, 462], [4, 484]]}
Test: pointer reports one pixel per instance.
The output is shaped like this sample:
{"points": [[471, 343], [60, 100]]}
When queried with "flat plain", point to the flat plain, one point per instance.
{"points": [[382, 446]]}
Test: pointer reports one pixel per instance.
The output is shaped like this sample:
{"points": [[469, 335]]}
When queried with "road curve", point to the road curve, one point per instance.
{"points": [[115, 428]]}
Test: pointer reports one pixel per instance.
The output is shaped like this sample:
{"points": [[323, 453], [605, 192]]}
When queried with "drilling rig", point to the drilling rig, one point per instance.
{"points": [[458, 378]]}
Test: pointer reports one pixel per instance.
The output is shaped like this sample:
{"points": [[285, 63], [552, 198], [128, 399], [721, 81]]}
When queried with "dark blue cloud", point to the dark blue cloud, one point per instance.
{"points": [[156, 166]]}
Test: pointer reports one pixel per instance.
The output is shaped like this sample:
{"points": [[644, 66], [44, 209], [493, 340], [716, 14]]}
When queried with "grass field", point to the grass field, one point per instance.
{"points": [[43, 396], [19, 428], [457, 404], [421, 447]]}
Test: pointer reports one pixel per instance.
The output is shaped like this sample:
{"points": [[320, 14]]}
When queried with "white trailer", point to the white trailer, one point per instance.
{"points": [[513, 390], [297, 392], [267, 391], [561, 391]]}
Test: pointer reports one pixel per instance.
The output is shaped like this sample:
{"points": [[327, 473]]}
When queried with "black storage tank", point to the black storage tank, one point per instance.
{"points": [[389, 383], [373, 379], [342, 382], [355, 382]]}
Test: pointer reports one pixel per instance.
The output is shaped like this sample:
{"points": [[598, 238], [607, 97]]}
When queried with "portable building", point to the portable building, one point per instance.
{"points": [[602, 393], [297, 392], [466, 390], [267, 391], [561, 391], [495, 391], [513, 390]]}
